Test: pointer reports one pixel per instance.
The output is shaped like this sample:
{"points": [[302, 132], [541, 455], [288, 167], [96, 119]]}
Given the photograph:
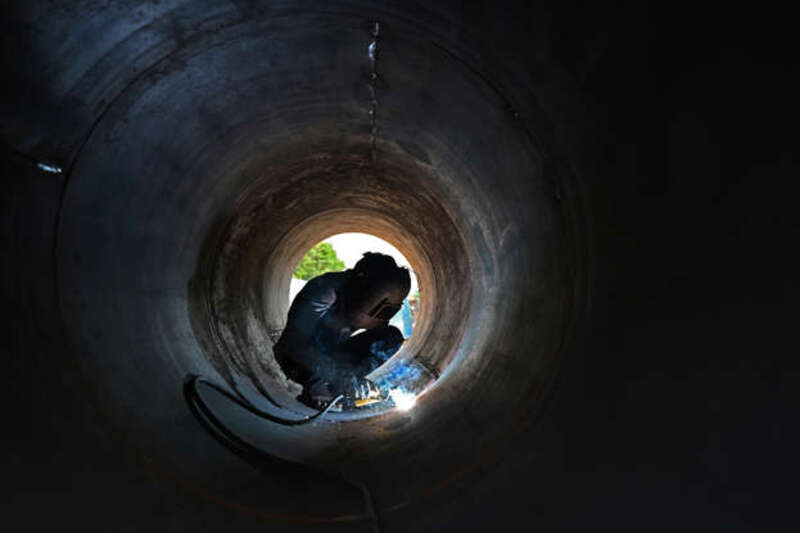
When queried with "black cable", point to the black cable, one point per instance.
{"points": [[371, 509], [191, 394], [255, 457]]}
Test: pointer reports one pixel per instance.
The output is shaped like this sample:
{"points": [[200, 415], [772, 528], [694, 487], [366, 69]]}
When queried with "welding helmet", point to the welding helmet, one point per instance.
{"points": [[377, 290]]}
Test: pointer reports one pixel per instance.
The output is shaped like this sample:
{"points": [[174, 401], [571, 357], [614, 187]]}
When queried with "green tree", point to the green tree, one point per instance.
{"points": [[320, 259]]}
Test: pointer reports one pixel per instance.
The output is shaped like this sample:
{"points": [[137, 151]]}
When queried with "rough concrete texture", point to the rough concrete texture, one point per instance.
{"points": [[555, 175]]}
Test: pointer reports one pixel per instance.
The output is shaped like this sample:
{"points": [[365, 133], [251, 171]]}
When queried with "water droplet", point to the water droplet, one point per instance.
{"points": [[47, 167]]}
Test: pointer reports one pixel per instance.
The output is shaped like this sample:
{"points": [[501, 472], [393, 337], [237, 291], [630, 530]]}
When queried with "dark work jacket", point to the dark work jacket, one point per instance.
{"points": [[310, 335]]}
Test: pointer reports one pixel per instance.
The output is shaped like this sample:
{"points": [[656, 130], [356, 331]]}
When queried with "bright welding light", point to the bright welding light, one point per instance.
{"points": [[403, 400]]}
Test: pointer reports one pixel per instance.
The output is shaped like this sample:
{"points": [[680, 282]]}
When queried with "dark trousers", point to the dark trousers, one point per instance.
{"points": [[354, 358]]}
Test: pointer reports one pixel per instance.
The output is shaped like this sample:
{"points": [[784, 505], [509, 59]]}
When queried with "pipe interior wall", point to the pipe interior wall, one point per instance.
{"points": [[556, 177], [218, 168]]}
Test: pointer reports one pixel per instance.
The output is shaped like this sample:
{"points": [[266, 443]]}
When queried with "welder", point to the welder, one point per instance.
{"points": [[318, 348]]}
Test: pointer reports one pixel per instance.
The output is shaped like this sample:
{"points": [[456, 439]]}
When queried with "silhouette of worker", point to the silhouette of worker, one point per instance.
{"points": [[318, 349]]}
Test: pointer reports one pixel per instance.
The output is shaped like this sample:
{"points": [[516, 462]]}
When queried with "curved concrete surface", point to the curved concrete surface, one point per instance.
{"points": [[205, 145], [277, 149]]}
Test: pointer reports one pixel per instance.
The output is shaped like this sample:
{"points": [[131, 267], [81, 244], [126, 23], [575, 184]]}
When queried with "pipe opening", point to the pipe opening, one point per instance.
{"points": [[355, 352], [347, 249]]}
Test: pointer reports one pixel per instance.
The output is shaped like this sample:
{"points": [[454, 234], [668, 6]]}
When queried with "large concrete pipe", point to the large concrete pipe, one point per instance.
{"points": [[210, 175], [196, 149]]}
